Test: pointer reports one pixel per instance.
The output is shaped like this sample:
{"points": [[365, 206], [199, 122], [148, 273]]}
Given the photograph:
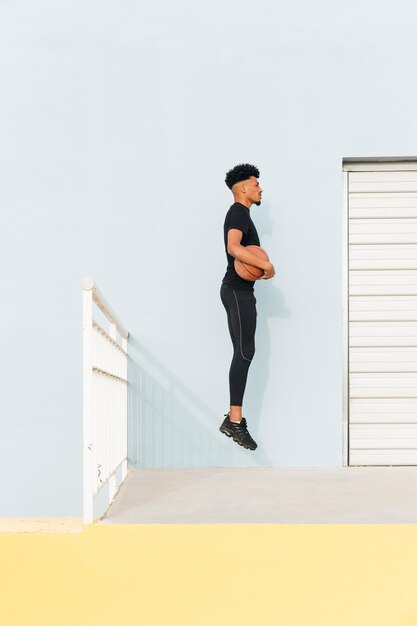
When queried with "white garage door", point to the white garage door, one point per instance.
{"points": [[381, 199]]}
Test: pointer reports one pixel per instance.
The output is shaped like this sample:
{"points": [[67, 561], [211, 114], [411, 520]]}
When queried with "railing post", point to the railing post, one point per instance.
{"points": [[87, 286], [112, 479], [112, 330], [124, 464]]}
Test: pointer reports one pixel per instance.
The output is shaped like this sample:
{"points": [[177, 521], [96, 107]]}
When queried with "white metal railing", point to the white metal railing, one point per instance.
{"points": [[104, 399]]}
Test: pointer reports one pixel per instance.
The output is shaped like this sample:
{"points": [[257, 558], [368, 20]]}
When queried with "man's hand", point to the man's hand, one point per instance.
{"points": [[234, 248], [269, 272]]}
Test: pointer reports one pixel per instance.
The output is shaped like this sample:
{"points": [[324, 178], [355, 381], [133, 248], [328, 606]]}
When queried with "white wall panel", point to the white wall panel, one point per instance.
{"points": [[382, 284], [384, 185], [382, 177], [394, 359], [382, 308], [377, 257], [402, 436], [375, 456], [383, 385], [386, 282], [384, 200], [379, 334], [383, 411]]}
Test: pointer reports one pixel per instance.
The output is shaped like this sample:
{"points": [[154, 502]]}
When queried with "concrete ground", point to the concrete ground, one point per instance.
{"points": [[312, 495]]}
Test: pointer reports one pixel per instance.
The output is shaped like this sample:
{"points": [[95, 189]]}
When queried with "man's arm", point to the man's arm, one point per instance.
{"points": [[235, 249]]}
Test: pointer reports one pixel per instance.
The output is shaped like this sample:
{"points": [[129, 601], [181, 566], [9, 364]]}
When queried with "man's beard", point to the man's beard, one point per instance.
{"points": [[258, 203]]}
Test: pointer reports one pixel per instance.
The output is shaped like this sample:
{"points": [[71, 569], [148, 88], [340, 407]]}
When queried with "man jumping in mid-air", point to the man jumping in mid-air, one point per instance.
{"points": [[237, 294]]}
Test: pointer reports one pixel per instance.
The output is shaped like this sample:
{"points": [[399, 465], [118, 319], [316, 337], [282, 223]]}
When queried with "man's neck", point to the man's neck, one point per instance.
{"points": [[245, 202]]}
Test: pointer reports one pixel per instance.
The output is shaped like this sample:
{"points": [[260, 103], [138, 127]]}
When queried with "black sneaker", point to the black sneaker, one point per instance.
{"points": [[239, 432]]}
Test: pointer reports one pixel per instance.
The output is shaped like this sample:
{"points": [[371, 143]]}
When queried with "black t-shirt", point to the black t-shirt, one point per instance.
{"points": [[238, 216]]}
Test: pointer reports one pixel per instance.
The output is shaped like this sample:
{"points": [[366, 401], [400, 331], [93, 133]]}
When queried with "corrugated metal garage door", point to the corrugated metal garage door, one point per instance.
{"points": [[382, 312]]}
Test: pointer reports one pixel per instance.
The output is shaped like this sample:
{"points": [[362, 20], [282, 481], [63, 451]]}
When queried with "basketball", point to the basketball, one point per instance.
{"points": [[250, 272]]}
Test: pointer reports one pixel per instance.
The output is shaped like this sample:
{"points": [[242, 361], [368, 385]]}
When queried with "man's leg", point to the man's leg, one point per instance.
{"points": [[241, 315], [244, 328]]}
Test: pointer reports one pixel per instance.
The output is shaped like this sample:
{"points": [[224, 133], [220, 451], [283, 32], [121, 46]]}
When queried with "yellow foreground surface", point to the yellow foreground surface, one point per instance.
{"points": [[211, 575]]}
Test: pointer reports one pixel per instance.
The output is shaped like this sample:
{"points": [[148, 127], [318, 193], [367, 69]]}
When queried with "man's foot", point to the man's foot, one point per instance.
{"points": [[239, 432]]}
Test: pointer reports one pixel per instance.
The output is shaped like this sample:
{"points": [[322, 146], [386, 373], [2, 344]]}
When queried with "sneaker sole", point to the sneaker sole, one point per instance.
{"points": [[229, 434]]}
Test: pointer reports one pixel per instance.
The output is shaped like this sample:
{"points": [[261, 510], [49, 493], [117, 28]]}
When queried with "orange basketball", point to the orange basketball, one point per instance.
{"points": [[250, 272]]}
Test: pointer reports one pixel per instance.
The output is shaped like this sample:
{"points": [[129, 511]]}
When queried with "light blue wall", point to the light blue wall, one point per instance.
{"points": [[118, 123]]}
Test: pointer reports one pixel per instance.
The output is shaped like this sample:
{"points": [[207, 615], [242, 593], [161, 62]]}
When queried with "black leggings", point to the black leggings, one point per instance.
{"points": [[240, 306]]}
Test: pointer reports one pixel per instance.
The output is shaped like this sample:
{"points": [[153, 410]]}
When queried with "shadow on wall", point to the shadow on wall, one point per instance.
{"points": [[270, 303], [169, 426]]}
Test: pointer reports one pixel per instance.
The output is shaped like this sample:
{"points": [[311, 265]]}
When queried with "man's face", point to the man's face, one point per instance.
{"points": [[253, 190]]}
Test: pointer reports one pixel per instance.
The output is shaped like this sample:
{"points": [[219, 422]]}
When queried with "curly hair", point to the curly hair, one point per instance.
{"points": [[240, 172]]}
